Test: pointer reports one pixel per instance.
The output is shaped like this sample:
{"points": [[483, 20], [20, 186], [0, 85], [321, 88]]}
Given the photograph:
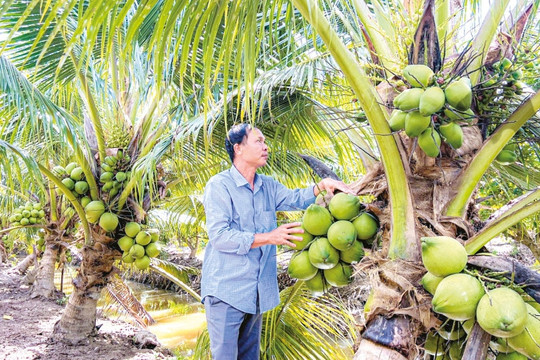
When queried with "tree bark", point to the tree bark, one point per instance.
{"points": [[44, 281], [477, 344], [23, 266], [368, 350], [79, 318]]}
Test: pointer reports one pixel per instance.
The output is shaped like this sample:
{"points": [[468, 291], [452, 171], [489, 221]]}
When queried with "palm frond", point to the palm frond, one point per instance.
{"points": [[119, 292], [175, 273]]}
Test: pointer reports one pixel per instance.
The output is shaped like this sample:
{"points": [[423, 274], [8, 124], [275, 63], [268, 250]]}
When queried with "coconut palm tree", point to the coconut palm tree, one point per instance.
{"points": [[231, 42]]}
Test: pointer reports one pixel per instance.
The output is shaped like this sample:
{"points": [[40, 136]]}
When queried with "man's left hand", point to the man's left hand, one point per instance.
{"points": [[331, 185]]}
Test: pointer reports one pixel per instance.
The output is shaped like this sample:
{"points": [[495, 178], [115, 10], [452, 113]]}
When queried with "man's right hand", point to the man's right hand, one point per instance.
{"points": [[281, 235]]}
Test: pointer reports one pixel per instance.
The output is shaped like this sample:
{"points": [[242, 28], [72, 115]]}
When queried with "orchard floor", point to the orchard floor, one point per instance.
{"points": [[26, 325]]}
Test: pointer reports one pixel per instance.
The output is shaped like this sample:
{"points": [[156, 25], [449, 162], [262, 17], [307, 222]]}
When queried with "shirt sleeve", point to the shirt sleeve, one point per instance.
{"points": [[219, 212], [290, 200]]}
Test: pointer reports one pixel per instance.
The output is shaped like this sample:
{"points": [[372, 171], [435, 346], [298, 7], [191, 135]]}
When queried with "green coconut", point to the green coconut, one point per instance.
{"points": [[132, 229], [106, 176], [120, 176], [434, 344], [154, 233], [456, 350], [59, 171], [502, 312], [108, 221], [408, 99], [300, 267], [316, 220], [527, 342], [344, 206], [459, 94], [431, 101], [452, 134], [366, 226], [418, 75], [451, 330], [77, 174], [397, 120], [69, 183], [500, 345], [340, 275], [342, 234], [430, 142], [306, 238], [317, 284], [506, 157], [457, 296], [468, 325], [137, 251], [511, 356], [443, 255], [142, 263], [152, 250], [85, 200], [143, 238], [430, 282], [416, 123], [94, 210], [69, 167], [125, 243], [353, 254], [322, 254], [81, 187], [127, 258]]}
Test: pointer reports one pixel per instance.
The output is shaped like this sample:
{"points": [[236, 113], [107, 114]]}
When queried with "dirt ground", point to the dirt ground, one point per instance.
{"points": [[26, 325]]}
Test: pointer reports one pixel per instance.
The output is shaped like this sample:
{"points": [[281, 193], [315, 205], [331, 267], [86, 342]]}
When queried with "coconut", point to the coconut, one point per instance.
{"points": [[418, 75], [69, 167], [457, 296], [137, 251], [416, 123], [430, 282], [142, 263], [434, 344], [317, 284], [468, 325], [108, 221], [527, 342], [316, 220], [306, 238], [93, 211], [152, 250], [143, 238], [132, 229], [125, 243], [430, 142], [106, 176], [24, 221], [342, 234], [127, 258], [502, 312], [77, 174], [322, 254], [456, 350], [397, 120], [511, 356], [506, 157], [340, 275], [69, 183], [300, 267], [353, 254], [500, 345], [85, 200], [431, 101], [81, 187], [344, 206], [154, 233], [443, 255], [452, 134], [451, 330], [459, 94], [366, 226], [409, 99], [120, 176], [59, 171]]}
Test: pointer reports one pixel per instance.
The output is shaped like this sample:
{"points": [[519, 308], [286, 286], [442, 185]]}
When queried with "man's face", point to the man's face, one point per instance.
{"points": [[253, 150]]}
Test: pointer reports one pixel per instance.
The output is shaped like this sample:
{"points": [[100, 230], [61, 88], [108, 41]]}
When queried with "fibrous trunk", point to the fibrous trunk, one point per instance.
{"points": [[44, 281], [79, 318]]}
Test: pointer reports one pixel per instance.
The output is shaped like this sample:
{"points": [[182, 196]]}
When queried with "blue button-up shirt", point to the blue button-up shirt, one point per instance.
{"points": [[232, 271]]}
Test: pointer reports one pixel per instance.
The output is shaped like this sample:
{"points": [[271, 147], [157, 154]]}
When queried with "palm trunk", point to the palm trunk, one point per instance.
{"points": [[44, 281], [79, 318], [23, 266]]}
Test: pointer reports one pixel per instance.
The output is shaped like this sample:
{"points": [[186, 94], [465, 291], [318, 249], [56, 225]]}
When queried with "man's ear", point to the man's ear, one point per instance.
{"points": [[236, 148]]}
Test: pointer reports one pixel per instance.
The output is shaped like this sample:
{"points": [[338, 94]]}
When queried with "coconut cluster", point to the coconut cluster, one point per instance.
{"points": [[432, 109], [461, 298], [28, 214], [114, 172], [332, 241], [73, 178]]}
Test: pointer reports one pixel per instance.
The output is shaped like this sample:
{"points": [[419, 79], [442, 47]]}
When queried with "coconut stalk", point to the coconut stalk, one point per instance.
{"points": [[477, 343]]}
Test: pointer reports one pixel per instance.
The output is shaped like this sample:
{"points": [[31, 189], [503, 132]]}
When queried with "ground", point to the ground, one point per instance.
{"points": [[26, 325]]}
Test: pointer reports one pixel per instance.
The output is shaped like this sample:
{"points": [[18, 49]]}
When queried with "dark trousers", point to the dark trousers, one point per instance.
{"points": [[234, 335]]}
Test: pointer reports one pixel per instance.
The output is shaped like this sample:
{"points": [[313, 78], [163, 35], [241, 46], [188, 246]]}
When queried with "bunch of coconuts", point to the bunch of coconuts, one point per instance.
{"points": [[333, 239], [432, 109], [511, 319]]}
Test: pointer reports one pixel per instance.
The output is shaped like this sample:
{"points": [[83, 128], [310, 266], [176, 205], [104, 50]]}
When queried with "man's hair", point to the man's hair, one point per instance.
{"points": [[236, 135]]}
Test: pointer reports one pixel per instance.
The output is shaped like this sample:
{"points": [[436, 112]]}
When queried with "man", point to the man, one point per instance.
{"points": [[239, 274]]}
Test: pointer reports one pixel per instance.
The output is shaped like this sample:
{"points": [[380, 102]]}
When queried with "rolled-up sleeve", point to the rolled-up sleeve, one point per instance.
{"points": [[219, 213], [297, 199]]}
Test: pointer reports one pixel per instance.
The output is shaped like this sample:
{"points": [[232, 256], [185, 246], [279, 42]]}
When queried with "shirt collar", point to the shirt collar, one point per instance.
{"points": [[240, 180]]}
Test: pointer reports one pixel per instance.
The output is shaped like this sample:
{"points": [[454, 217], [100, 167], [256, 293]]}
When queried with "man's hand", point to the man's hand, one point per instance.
{"points": [[331, 185], [282, 235]]}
